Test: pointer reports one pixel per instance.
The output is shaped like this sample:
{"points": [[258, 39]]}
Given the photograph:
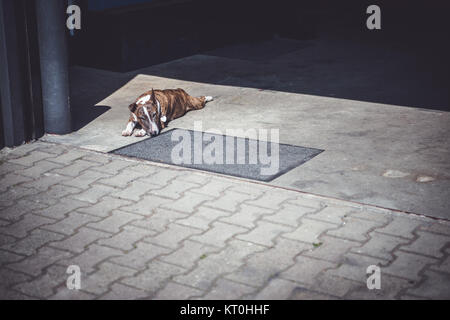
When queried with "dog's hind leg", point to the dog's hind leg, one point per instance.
{"points": [[199, 103]]}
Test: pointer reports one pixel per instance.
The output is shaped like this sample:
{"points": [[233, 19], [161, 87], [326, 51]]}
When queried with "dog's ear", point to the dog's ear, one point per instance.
{"points": [[153, 98], [132, 107]]}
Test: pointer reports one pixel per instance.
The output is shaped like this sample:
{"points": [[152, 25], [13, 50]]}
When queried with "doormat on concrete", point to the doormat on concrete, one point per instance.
{"points": [[228, 155]]}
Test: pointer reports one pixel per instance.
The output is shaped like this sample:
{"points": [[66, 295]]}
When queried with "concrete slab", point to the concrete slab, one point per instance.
{"points": [[352, 102]]}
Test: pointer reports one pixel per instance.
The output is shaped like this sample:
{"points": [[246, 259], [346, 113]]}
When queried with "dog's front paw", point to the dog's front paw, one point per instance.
{"points": [[126, 133], [140, 133]]}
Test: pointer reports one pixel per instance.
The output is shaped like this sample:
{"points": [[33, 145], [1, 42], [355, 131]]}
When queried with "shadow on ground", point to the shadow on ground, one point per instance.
{"points": [[355, 68]]}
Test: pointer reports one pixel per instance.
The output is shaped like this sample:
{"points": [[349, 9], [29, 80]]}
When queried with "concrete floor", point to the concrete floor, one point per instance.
{"points": [[377, 111]]}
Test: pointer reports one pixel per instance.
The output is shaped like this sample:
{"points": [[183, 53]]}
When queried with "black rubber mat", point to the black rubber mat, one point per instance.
{"points": [[245, 158]]}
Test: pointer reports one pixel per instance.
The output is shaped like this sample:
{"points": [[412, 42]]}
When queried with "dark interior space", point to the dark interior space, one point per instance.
{"points": [[318, 48]]}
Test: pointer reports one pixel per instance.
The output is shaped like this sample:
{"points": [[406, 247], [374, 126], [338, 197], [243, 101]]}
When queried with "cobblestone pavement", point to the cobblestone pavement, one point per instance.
{"points": [[139, 230]]}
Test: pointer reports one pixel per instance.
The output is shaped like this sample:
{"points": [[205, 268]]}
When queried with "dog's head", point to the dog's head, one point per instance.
{"points": [[147, 112]]}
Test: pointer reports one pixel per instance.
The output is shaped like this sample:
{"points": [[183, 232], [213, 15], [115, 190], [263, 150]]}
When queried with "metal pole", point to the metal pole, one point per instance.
{"points": [[54, 65]]}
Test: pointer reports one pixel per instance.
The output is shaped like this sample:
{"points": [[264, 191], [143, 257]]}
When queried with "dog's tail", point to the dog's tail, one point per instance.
{"points": [[208, 98]]}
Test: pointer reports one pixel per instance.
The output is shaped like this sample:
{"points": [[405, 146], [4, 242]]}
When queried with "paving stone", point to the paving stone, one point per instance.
{"points": [[98, 283], [115, 221], [135, 190], [9, 257], [42, 287], [219, 234], [188, 254], [407, 265], [69, 225], [253, 189], [442, 227], [94, 193], [309, 231], [305, 270], [23, 150], [262, 266], [139, 257], [354, 267], [331, 214], [85, 179], [428, 244], [8, 167], [154, 277], [162, 177], [76, 168], [80, 240], [36, 239], [373, 216], [35, 264], [265, 233], [9, 294], [122, 292], [105, 206], [213, 188], [390, 288], [159, 220], [9, 278], [173, 190], [97, 157], [21, 228], [145, 169], [187, 203], [46, 181], [88, 259], [302, 293], [30, 159], [444, 266], [355, 229], [216, 265], [190, 249], [247, 216], [435, 286], [18, 210], [148, 205], [194, 177], [53, 149], [38, 169], [289, 215], [122, 179], [380, 245], [12, 179], [61, 209], [401, 227], [63, 293], [127, 237], [6, 240], [331, 249], [59, 191], [176, 291], [276, 289], [272, 199], [307, 201], [69, 157], [334, 286], [229, 201], [172, 237], [12, 195], [225, 289], [202, 218]]}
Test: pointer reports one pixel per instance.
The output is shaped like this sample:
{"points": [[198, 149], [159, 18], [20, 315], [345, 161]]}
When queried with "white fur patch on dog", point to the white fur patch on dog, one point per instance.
{"points": [[209, 98], [144, 99], [129, 130], [140, 133]]}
